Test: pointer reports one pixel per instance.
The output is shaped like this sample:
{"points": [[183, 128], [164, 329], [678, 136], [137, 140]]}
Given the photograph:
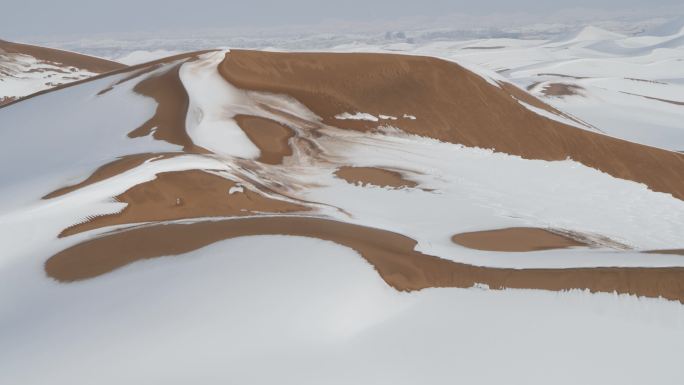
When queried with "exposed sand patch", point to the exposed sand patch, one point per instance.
{"points": [[515, 239], [450, 104], [109, 170], [270, 136], [90, 63], [561, 89], [373, 176], [6, 100], [184, 195], [393, 256]]}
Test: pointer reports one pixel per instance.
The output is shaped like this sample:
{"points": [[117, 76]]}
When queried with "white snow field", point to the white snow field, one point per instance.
{"points": [[316, 312], [297, 310]]}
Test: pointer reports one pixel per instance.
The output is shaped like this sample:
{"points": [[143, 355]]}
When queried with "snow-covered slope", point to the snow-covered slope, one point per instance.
{"points": [[26, 69], [308, 218]]}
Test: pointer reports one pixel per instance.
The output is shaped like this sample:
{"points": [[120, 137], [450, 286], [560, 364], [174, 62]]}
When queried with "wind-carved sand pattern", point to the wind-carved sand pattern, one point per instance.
{"points": [[302, 147], [393, 256]]}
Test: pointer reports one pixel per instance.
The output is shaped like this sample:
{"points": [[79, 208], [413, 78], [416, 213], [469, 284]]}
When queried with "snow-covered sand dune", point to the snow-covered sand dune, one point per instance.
{"points": [[630, 87], [26, 69], [243, 216]]}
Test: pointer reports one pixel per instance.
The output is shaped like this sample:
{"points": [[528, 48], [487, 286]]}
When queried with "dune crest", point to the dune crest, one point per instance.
{"points": [[450, 104]]}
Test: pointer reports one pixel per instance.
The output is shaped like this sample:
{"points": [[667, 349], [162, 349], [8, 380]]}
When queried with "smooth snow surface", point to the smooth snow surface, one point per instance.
{"points": [[235, 312]]}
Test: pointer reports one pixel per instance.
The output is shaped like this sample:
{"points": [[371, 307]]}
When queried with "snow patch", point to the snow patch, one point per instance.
{"points": [[356, 116], [236, 189]]}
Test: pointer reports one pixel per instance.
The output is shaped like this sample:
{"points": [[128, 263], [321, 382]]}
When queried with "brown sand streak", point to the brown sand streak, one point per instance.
{"points": [[393, 256], [667, 251]]}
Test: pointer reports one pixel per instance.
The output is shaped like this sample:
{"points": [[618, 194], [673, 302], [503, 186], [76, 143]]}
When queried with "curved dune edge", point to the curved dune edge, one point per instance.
{"points": [[666, 251], [393, 256], [373, 176], [146, 67], [183, 195], [109, 170], [168, 121], [268, 135], [450, 104], [515, 239]]}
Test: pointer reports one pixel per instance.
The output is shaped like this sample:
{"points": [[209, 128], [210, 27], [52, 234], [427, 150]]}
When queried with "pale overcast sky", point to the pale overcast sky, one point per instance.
{"points": [[83, 17]]}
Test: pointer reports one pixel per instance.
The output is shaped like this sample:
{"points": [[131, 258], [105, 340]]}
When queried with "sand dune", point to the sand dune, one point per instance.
{"points": [[29, 69], [66, 58], [393, 256], [386, 172], [331, 85], [450, 103]]}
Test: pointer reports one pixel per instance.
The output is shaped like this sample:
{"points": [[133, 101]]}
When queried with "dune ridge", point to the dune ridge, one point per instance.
{"points": [[450, 103]]}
